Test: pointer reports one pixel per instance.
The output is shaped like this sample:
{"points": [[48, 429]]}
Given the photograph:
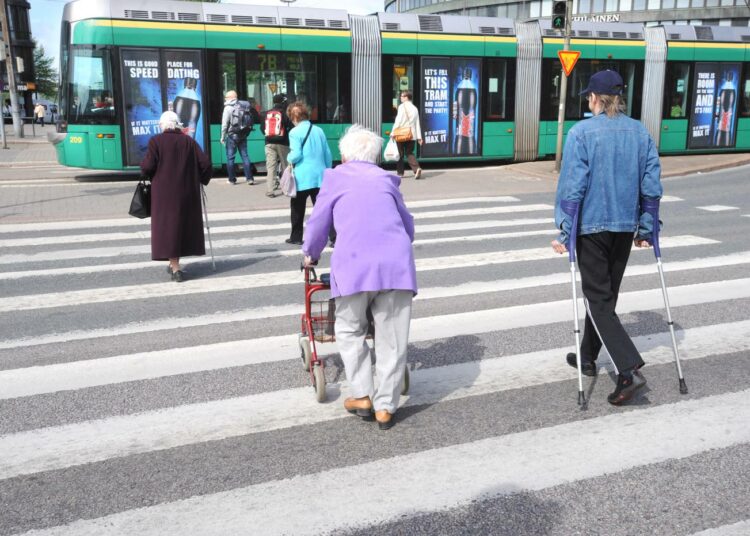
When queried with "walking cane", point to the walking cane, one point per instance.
{"points": [[651, 206], [208, 227], [571, 209]]}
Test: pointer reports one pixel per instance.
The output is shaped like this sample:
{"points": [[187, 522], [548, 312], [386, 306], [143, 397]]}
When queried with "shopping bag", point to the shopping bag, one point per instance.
{"points": [[391, 151], [140, 205], [287, 183]]}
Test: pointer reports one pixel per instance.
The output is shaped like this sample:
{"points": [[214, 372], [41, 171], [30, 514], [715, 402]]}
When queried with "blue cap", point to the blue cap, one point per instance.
{"points": [[604, 83]]}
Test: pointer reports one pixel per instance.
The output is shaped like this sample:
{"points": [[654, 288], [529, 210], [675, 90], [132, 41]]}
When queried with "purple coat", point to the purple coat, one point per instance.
{"points": [[177, 167], [374, 230]]}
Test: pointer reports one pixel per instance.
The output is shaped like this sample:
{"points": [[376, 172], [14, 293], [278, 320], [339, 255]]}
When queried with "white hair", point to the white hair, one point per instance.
{"points": [[360, 143], [169, 121]]}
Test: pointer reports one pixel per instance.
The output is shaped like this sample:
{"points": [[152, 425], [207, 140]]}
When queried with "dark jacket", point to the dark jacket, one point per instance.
{"points": [[177, 167], [288, 125]]}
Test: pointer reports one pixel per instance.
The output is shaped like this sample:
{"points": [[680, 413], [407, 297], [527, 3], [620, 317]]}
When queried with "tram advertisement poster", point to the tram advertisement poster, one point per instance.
{"points": [[142, 98], [713, 119], [450, 106], [185, 90]]}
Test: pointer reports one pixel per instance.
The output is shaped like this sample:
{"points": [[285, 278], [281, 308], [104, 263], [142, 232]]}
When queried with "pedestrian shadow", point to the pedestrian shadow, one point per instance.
{"points": [[652, 326]]}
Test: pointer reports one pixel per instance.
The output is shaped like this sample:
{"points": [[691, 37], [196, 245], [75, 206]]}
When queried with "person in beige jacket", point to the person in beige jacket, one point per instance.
{"points": [[408, 116]]}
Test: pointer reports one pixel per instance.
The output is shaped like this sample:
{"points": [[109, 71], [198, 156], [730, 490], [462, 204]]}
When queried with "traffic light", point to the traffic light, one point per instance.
{"points": [[559, 10]]}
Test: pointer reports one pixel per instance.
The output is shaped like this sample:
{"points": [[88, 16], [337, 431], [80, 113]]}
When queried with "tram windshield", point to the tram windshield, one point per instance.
{"points": [[91, 99]]}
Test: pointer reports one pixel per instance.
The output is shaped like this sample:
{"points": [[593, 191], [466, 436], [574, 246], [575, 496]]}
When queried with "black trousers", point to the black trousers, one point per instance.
{"points": [[406, 149], [602, 258], [299, 205]]}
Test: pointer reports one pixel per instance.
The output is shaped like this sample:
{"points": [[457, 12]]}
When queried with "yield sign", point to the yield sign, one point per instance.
{"points": [[568, 58]]}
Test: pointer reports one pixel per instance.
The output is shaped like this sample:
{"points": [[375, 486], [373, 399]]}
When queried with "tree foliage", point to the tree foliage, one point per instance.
{"points": [[45, 72]]}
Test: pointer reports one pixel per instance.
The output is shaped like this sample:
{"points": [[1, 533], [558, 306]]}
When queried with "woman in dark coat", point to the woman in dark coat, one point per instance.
{"points": [[177, 167]]}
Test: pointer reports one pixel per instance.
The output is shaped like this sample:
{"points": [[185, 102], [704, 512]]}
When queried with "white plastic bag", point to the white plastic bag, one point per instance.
{"points": [[391, 151]]}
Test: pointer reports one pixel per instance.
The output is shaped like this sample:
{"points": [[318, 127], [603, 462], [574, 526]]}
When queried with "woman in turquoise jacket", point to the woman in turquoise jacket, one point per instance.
{"points": [[310, 155]]}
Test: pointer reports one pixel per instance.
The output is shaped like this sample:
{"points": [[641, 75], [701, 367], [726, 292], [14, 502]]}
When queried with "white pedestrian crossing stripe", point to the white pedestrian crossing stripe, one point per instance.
{"points": [[717, 208], [436, 479], [115, 411]]}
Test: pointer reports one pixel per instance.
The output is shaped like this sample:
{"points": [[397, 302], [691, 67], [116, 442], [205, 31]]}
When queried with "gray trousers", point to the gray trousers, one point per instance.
{"points": [[275, 155], [391, 312]]}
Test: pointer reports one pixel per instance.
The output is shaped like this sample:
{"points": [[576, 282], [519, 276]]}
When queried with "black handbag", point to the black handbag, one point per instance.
{"points": [[140, 205]]}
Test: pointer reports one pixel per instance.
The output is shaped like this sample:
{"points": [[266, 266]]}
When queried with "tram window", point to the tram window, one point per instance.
{"points": [[293, 74], [92, 100], [676, 90], [576, 105], [401, 78], [497, 106], [336, 89], [745, 90], [227, 71], [225, 78]]}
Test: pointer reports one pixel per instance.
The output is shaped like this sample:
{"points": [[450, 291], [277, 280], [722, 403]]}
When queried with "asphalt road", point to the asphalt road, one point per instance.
{"points": [[133, 405]]}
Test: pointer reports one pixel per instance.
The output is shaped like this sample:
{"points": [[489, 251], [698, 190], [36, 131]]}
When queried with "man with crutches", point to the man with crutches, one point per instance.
{"points": [[610, 162]]}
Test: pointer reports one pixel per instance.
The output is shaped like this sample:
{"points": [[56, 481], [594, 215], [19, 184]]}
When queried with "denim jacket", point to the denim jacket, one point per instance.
{"points": [[609, 163]]}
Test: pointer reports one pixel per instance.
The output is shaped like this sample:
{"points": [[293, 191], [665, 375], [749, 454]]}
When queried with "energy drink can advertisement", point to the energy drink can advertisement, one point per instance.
{"points": [[185, 90], [450, 107], [713, 118], [142, 99]]}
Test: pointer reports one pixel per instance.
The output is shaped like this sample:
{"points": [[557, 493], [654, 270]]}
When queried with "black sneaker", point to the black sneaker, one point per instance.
{"points": [[626, 388], [293, 242], [588, 368]]}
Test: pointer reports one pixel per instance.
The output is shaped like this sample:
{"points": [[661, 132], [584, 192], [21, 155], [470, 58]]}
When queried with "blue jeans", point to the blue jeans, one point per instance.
{"points": [[235, 143]]}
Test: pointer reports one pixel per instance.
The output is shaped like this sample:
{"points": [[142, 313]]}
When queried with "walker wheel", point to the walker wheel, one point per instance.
{"points": [[319, 379], [305, 351], [405, 382]]}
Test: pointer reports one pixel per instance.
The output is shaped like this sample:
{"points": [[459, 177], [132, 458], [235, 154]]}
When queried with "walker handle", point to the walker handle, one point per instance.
{"points": [[651, 206], [571, 209]]}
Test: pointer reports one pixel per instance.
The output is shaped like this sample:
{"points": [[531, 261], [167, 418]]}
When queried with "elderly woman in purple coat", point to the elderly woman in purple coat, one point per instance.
{"points": [[177, 167], [372, 268]]}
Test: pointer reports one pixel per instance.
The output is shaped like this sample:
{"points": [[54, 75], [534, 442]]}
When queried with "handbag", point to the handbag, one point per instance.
{"points": [[140, 205], [391, 151], [288, 183], [402, 134]]}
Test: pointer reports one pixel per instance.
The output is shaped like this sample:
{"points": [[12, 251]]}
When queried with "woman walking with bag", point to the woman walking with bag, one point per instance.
{"points": [[406, 132], [177, 167], [309, 155]]}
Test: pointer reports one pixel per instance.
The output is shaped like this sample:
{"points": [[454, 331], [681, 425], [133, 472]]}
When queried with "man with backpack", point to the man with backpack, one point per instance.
{"points": [[276, 126], [236, 125]]}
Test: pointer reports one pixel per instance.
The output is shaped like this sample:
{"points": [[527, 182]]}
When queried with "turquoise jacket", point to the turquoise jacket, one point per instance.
{"points": [[310, 162]]}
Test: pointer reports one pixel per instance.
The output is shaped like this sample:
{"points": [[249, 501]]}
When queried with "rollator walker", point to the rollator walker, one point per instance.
{"points": [[649, 206], [317, 325]]}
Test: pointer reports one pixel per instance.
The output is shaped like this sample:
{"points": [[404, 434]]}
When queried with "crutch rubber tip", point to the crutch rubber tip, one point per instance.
{"points": [[581, 398], [683, 387]]}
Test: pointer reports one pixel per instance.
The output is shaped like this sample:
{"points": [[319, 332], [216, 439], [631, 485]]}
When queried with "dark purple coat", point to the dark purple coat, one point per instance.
{"points": [[177, 167]]}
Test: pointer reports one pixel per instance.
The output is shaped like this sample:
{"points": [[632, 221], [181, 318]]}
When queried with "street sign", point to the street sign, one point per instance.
{"points": [[568, 59]]}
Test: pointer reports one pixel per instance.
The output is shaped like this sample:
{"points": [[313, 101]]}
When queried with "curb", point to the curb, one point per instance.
{"points": [[707, 169], [28, 164]]}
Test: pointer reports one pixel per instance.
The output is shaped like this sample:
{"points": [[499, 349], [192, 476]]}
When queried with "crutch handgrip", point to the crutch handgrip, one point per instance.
{"points": [[651, 206], [571, 208]]}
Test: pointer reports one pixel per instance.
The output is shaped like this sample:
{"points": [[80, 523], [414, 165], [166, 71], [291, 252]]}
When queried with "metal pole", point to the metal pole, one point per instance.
{"points": [[563, 87], [208, 227], [2, 135], [14, 109]]}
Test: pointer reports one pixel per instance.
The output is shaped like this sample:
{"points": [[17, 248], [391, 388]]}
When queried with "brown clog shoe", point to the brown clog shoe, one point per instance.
{"points": [[384, 418], [361, 407]]}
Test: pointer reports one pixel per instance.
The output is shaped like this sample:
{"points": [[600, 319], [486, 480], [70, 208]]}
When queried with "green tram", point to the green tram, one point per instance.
{"points": [[124, 62]]}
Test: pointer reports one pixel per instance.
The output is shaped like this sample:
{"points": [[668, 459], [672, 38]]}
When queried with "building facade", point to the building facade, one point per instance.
{"points": [[648, 12], [22, 49]]}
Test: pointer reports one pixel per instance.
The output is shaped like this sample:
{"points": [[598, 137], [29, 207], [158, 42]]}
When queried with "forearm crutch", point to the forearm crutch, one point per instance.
{"points": [[651, 206], [208, 227], [571, 209]]}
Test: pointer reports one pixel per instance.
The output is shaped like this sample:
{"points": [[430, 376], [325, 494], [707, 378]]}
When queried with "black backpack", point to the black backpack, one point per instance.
{"points": [[241, 121]]}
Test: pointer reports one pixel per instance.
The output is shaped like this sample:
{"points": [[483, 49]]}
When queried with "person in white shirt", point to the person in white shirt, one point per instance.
{"points": [[408, 116]]}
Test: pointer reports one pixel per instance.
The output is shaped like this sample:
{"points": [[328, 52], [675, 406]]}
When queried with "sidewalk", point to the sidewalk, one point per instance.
{"points": [[32, 149]]}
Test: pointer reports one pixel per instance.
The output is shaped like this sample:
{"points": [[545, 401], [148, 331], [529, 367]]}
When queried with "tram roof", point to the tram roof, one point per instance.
{"points": [[234, 14], [726, 34], [447, 24], [596, 30]]}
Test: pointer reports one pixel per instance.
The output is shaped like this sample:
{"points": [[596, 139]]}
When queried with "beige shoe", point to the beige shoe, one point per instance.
{"points": [[361, 407], [384, 418], [418, 174]]}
